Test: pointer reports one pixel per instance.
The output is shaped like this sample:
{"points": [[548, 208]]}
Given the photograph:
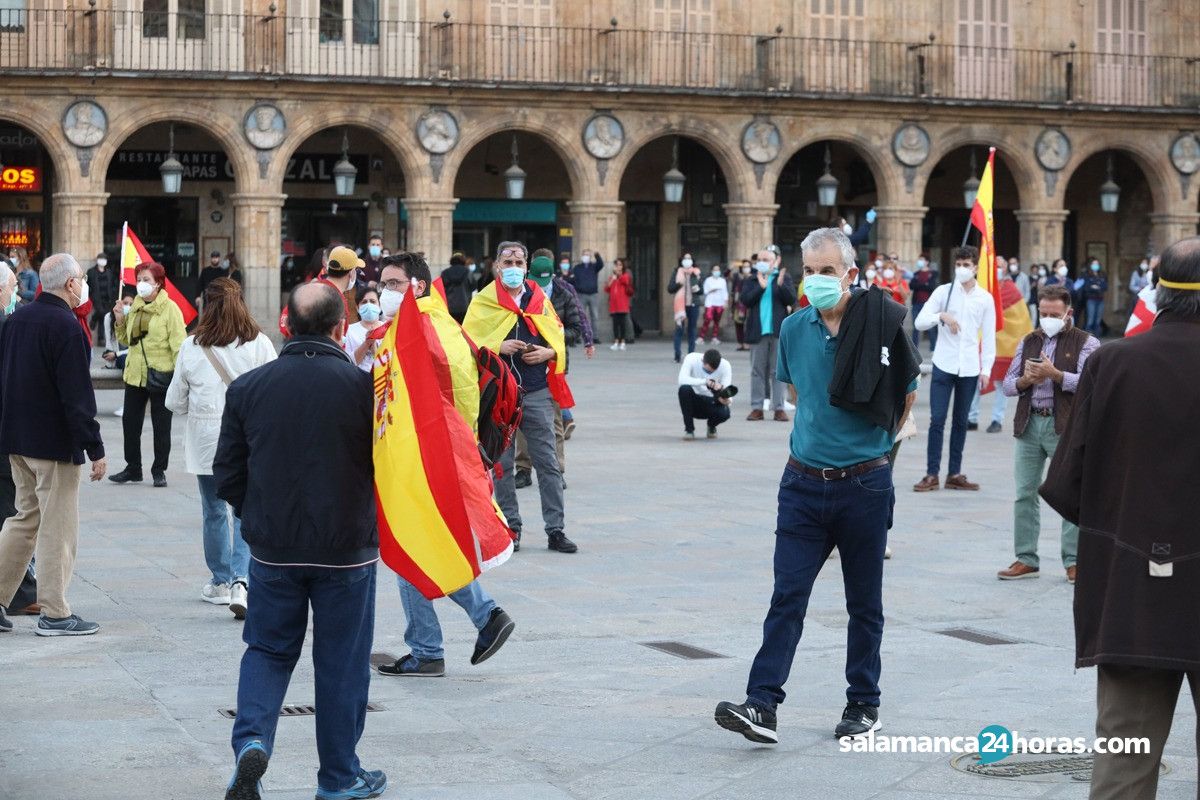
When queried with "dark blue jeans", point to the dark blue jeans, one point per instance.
{"points": [[940, 388], [693, 315], [343, 605], [815, 516], [1095, 315]]}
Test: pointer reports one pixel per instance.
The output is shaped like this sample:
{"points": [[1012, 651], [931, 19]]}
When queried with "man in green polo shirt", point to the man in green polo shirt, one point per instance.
{"points": [[835, 492]]}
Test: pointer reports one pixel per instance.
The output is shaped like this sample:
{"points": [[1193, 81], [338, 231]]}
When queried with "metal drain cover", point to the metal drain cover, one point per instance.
{"points": [[978, 637], [296, 710], [1046, 768], [681, 650]]}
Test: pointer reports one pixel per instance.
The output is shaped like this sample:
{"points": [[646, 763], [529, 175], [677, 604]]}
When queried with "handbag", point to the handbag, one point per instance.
{"points": [[157, 381]]}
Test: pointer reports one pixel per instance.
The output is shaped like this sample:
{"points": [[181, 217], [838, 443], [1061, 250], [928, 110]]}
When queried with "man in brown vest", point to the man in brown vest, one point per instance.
{"points": [[1044, 375]]}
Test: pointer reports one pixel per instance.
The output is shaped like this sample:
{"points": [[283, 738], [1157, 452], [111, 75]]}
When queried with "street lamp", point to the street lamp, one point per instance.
{"points": [[171, 170], [1110, 192], [344, 172], [971, 185], [673, 179], [827, 185], [514, 176]]}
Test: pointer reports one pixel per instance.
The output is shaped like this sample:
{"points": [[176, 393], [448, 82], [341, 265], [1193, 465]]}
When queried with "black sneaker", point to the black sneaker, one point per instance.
{"points": [[995, 427], [523, 478], [5, 623], [712, 433], [972, 426], [559, 542], [412, 667], [858, 719], [127, 475], [493, 636], [516, 540], [246, 783], [756, 724], [160, 480], [66, 626]]}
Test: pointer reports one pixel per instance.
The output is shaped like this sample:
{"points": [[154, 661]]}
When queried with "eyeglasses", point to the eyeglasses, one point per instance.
{"points": [[512, 252], [396, 284]]}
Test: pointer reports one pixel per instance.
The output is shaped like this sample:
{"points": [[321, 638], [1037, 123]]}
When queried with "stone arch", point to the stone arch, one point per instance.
{"points": [[569, 149], [1016, 154], [735, 167], [887, 182], [394, 134], [1154, 164], [32, 117]]}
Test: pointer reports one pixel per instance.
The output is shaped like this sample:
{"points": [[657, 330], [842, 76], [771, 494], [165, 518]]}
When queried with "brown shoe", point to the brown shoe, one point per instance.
{"points": [[960, 481], [755, 415], [927, 484], [1071, 574], [1017, 571], [31, 610], [781, 416]]}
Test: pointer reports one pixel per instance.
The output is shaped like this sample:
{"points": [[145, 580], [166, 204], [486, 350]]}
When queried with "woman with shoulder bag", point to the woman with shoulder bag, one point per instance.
{"points": [[153, 330], [226, 344]]}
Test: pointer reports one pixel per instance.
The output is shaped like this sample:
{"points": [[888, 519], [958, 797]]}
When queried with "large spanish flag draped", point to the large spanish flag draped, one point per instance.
{"points": [[133, 255], [981, 220], [1015, 326], [438, 525]]}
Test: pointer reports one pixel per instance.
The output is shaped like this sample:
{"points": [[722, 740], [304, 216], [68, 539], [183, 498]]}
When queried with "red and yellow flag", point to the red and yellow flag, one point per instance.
{"points": [[438, 525], [981, 220], [1014, 327], [133, 255]]}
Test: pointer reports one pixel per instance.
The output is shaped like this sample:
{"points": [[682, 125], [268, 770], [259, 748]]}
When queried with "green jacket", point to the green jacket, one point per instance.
{"points": [[162, 341]]}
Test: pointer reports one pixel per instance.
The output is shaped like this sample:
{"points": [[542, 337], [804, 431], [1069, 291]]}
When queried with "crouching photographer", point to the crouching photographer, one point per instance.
{"points": [[704, 391]]}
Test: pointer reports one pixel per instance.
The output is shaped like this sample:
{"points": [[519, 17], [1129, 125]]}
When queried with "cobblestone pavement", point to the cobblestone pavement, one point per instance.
{"points": [[675, 544]]}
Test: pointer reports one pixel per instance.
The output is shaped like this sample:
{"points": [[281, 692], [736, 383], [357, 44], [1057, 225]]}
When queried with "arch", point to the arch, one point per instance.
{"points": [[887, 190], [50, 138], [736, 169], [1019, 160], [1154, 164], [308, 125], [569, 151]]}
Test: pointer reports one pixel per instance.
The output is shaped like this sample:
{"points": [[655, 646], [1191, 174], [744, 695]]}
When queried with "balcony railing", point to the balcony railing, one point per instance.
{"points": [[105, 41]]}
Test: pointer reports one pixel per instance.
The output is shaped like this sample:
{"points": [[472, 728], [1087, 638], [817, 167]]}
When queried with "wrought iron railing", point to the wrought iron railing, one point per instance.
{"points": [[109, 41]]}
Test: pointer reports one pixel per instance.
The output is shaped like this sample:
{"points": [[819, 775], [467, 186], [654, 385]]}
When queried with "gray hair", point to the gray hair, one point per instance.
{"points": [[821, 238], [57, 270], [500, 248], [1181, 263], [5, 273]]}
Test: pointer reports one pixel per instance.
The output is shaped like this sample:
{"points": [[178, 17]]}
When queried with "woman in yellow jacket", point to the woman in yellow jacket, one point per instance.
{"points": [[153, 330]]}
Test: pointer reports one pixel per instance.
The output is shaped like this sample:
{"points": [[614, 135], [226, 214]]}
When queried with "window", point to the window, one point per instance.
{"points": [[838, 19], [366, 21], [530, 13], [12, 15], [363, 16], [1121, 27], [154, 19], [191, 19], [983, 23], [1121, 73], [983, 60]]}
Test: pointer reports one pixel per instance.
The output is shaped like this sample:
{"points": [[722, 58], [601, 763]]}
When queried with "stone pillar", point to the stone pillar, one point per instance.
{"points": [[594, 226], [1167, 229], [751, 228], [900, 231], [1041, 239], [79, 225], [257, 233], [431, 229]]}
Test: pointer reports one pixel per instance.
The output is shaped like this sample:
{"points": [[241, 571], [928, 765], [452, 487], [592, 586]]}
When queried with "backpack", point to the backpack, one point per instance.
{"points": [[500, 405]]}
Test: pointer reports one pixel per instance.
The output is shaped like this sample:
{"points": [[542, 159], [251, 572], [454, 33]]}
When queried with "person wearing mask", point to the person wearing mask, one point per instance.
{"points": [[743, 273], [47, 425], [619, 289], [962, 363], [1038, 273], [871, 276], [891, 280], [1137, 281], [999, 399], [27, 277], [359, 344], [585, 277], [103, 289], [340, 270], [1095, 288], [226, 344], [1019, 278], [373, 263], [116, 353], [858, 236], [153, 330], [313, 542], [716, 298], [767, 296], [921, 286], [456, 281], [687, 287], [703, 381]]}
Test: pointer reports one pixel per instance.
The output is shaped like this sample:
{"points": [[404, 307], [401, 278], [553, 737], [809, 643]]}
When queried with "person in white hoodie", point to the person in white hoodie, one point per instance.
{"points": [[226, 344]]}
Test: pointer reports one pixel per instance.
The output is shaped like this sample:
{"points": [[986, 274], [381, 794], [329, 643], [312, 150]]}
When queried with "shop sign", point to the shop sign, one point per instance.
{"points": [[20, 179], [142, 165]]}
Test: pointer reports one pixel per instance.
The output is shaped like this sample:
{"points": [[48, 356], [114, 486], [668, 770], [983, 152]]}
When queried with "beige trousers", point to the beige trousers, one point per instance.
{"points": [[47, 521], [522, 459]]}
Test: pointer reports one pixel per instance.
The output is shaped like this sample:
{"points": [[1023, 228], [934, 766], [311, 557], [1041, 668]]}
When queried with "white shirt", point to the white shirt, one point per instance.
{"points": [[961, 354], [716, 292], [692, 373], [356, 334]]}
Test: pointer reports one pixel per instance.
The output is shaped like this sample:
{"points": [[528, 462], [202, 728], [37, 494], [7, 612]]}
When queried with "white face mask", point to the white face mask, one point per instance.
{"points": [[587, 259], [687, 262], [889, 273], [1041, 273], [389, 302], [101, 262], [871, 274], [846, 229], [145, 289], [878, 263], [1014, 268], [1052, 326], [963, 274], [1062, 272]]}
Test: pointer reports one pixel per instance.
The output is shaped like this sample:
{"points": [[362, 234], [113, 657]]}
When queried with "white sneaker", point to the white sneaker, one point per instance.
{"points": [[715, 340], [887, 551], [622, 345], [614, 346], [119, 412], [215, 593], [237, 599]]}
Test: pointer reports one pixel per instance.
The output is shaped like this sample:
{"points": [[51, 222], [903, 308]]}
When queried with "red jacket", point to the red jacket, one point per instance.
{"points": [[619, 293]]}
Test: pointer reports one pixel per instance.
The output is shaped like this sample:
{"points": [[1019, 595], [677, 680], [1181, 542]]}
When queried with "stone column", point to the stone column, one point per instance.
{"points": [[431, 229], [1041, 239], [594, 226], [1167, 229], [751, 228], [900, 231], [257, 233], [79, 225]]}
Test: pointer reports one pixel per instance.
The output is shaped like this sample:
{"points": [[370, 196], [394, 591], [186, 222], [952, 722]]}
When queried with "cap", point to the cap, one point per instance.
{"points": [[215, 254], [343, 259], [541, 269]]}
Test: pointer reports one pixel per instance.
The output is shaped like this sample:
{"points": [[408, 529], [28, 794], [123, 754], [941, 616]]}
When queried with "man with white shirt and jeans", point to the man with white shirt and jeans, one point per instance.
{"points": [[703, 381], [962, 362]]}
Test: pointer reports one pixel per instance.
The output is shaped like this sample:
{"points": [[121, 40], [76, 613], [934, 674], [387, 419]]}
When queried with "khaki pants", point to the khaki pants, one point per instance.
{"points": [[522, 458], [47, 520]]}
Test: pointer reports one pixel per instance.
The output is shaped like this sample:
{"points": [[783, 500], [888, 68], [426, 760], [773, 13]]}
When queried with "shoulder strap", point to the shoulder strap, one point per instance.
{"points": [[221, 371]]}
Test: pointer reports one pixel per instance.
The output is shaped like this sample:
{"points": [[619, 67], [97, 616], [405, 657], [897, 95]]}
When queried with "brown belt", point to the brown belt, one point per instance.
{"points": [[1042, 412], [838, 473]]}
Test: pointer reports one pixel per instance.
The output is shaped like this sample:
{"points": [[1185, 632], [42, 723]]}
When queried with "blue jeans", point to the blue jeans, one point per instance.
{"points": [[423, 635], [916, 334], [343, 608], [940, 388], [815, 516], [1095, 313], [693, 315], [227, 560]]}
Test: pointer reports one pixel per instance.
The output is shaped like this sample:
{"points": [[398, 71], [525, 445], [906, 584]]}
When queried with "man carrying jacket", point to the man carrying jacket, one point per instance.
{"points": [[1125, 473], [767, 296], [307, 507]]}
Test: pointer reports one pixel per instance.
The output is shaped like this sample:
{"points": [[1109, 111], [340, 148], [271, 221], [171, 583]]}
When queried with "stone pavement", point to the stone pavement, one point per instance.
{"points": [[675, 545]]}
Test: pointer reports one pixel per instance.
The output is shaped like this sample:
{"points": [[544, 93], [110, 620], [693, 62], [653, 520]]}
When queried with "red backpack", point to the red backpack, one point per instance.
{"points": [[500, 405]]}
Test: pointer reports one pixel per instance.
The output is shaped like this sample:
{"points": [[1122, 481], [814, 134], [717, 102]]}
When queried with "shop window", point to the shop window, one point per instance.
{"points": [[12, 16]]}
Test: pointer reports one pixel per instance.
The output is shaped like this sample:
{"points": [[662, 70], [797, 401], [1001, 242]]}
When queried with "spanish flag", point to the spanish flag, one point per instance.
{"points": [[133, 255], [981, 220], [438, 525], [1015, 325]]}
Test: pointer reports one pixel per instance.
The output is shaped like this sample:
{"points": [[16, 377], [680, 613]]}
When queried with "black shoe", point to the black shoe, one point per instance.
{"points": [[127, 475], [493, 636], [5, 623], [412, 667], [994, 428], [559, 542], [246, 781], [756, 724], [517, 540], [712, 433], [523, 478], [972, 426], [160, 480], [858, 719]]}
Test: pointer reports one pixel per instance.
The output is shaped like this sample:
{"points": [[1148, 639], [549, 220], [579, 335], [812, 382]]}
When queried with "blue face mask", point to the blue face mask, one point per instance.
{"points": [[822, 291], [374, 250], [512, 277], [762, 266], [1095, 267], [369, 312]]}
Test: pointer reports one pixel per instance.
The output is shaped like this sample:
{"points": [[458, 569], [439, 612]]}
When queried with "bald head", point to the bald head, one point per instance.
{"points": [[316, 309]]}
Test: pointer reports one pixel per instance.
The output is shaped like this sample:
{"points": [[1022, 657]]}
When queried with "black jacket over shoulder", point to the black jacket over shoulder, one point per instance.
{"points": [[875, 361], [47, 406], [294, 457]]}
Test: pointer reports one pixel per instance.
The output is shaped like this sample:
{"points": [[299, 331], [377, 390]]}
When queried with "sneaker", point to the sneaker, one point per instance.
{"points": [[120, 412], [756, 724], [5, 623], [972, 426], [368, 784], [716, 340], [858, 719], [523, 478], [493, 636], [246, 783], [516, 540], [622, 347], [614, 346], [127, 475], [887, 551], [238, 595], [568, 429], [215, 593], [559, 542], [995, 427], [412, 667], [67, 626], [160, 480], [712, 433], [689, 436]]}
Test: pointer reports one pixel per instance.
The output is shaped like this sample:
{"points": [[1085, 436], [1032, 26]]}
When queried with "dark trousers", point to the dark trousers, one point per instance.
{"points": [[697, 406], [343, 608], [815, 516], [940, 388], [618, 322], [916, 334], [693, 314], [132, 420], [1136, 702]]}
